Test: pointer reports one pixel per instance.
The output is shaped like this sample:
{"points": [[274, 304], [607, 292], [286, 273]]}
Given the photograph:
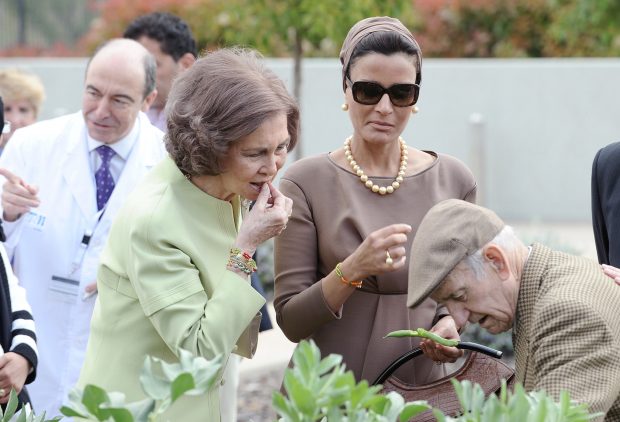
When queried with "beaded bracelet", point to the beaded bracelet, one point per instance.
{"points": [[242, 261], [356, 284]]}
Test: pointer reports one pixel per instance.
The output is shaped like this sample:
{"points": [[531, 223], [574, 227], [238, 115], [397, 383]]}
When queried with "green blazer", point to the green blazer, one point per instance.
{"points": [[567, 330], [163, 285]]}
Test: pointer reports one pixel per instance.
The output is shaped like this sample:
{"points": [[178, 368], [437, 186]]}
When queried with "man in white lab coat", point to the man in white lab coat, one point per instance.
{"points": [[66, 178]]}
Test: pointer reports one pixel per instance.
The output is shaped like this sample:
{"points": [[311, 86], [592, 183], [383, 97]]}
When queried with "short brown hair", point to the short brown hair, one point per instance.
{"points": [[16, 84], [223, 97]]}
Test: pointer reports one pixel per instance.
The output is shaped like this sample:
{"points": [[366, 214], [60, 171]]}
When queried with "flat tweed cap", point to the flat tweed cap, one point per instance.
{"points": [[450, 231]]}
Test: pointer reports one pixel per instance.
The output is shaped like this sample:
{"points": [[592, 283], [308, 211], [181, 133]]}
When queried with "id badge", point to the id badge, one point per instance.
{"points": [[35, 220], [63, 289]]}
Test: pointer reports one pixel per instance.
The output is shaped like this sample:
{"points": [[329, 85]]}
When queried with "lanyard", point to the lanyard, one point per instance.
{"points": [[76, 264]]}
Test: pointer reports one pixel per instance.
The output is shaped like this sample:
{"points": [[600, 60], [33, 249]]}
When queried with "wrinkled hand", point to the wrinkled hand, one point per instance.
{"points": [[14, 369], [612, 272], [446, 328], [266, 219], [370, 257], [17, 196]]}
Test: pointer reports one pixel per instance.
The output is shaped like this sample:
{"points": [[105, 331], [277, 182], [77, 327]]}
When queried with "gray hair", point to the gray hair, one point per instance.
{"points": [[150, 71], [477, 264]]}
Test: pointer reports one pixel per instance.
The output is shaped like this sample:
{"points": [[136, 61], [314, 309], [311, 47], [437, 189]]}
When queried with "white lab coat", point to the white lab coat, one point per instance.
{"points": [[53, 155]]}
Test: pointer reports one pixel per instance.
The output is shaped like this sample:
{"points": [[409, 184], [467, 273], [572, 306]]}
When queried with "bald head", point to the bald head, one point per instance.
{"points": [[120, 82], [131, 53]]}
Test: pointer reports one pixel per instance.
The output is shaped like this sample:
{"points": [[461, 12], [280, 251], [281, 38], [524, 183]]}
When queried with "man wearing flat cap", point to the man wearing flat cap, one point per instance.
{"points": [[563, 310]]}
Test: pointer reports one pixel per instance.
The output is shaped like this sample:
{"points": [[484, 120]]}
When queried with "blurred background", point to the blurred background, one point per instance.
{"points": [[523, 91]]}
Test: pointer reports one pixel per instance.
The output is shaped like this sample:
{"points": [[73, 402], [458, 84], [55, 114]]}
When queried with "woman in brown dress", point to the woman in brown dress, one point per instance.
{"points": [[341, 270]]}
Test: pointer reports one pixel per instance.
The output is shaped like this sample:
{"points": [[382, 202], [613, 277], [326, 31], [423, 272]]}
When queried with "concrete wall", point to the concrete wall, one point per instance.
{"points": [[528, 128]]}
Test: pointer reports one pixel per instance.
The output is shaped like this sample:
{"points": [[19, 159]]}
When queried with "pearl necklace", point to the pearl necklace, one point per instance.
{"points": [[382, 190]]}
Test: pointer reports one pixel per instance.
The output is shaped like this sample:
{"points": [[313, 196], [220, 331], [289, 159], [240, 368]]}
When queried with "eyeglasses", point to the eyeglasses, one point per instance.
{"points": [[370, 93]]}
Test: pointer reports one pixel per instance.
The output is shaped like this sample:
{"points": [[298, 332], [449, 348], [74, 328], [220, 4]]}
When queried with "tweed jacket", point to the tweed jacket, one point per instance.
{"points": [[567, 330]]}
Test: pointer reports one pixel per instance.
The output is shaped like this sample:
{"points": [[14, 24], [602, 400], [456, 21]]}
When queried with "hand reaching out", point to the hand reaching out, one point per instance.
{"points": [[17, 196], [446, 328], [612, 272]]}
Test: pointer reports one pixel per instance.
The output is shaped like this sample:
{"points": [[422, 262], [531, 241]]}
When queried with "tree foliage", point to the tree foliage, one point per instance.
{"points": [[296, 28], [518, 28]]}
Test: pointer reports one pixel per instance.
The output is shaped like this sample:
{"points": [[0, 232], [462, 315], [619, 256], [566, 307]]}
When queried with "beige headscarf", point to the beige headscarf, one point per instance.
{"points": [[368, 26]]}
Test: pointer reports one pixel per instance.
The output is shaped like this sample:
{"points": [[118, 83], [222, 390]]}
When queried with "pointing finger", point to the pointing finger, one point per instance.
{"points": [[10, 176]]}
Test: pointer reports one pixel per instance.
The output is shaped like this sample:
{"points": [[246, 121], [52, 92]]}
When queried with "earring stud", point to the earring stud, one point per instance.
{"points": [[345, 107], [414, 109]]}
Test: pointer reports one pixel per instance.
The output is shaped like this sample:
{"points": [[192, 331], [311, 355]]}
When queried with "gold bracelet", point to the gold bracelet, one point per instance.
{"points": [[356, 284], [242, 261]]}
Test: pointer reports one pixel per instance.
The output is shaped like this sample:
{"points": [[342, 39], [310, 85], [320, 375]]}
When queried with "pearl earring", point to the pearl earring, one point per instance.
{"points": [[345, 107], [414, 109]]}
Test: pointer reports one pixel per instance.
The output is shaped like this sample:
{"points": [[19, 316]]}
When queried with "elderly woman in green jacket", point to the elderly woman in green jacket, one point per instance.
{"points": [[175, 274]]}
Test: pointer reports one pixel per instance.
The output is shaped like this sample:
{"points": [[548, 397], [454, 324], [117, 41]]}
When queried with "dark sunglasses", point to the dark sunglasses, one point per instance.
{"points": [[370, 93]]}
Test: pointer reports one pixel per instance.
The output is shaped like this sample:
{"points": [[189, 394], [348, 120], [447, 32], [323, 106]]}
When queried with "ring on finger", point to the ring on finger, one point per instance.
{"points": [[438, 362], [388, 258]]}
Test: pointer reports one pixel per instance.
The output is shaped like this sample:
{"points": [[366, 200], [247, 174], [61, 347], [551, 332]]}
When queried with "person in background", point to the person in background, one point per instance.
{"points": [[169, 39], [64, 181], [22, 93], [18, 340], [341, 275], [176, 270], [606, 208], [563, 310]]}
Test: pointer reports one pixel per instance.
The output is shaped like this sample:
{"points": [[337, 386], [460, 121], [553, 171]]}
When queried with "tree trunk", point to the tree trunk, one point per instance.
{"points": [[297, 57]]}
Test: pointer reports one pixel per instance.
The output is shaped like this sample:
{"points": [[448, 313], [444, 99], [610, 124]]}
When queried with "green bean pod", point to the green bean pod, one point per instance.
{"points": [[421, 332], [403, 333], [437, 339]]}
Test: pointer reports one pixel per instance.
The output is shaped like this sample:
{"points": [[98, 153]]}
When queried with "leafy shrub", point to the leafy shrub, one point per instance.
{"points": [[322, 390], [517, 406], [192, 375], [25, 415]]}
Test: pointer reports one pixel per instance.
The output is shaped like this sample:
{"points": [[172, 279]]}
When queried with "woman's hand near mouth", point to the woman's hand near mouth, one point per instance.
{"points": [[267, 218]]}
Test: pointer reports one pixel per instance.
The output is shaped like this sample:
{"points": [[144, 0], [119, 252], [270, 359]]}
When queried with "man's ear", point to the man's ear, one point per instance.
{"points": [[146, 103], [498, 260], [186, 61]]}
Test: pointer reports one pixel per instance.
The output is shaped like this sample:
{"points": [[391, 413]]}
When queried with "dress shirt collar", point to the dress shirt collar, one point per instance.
{"points": [[123, 147]]}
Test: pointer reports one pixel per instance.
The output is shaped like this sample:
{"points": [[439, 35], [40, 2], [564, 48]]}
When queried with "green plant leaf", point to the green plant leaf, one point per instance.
{"points": [[154, 386], [412, 409], [92, 397], [20, 418], [302, 397], [117, 414], [181, 384], [11, 405], [329, 363], [283, 407], [68, 411], [141, 409]]}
